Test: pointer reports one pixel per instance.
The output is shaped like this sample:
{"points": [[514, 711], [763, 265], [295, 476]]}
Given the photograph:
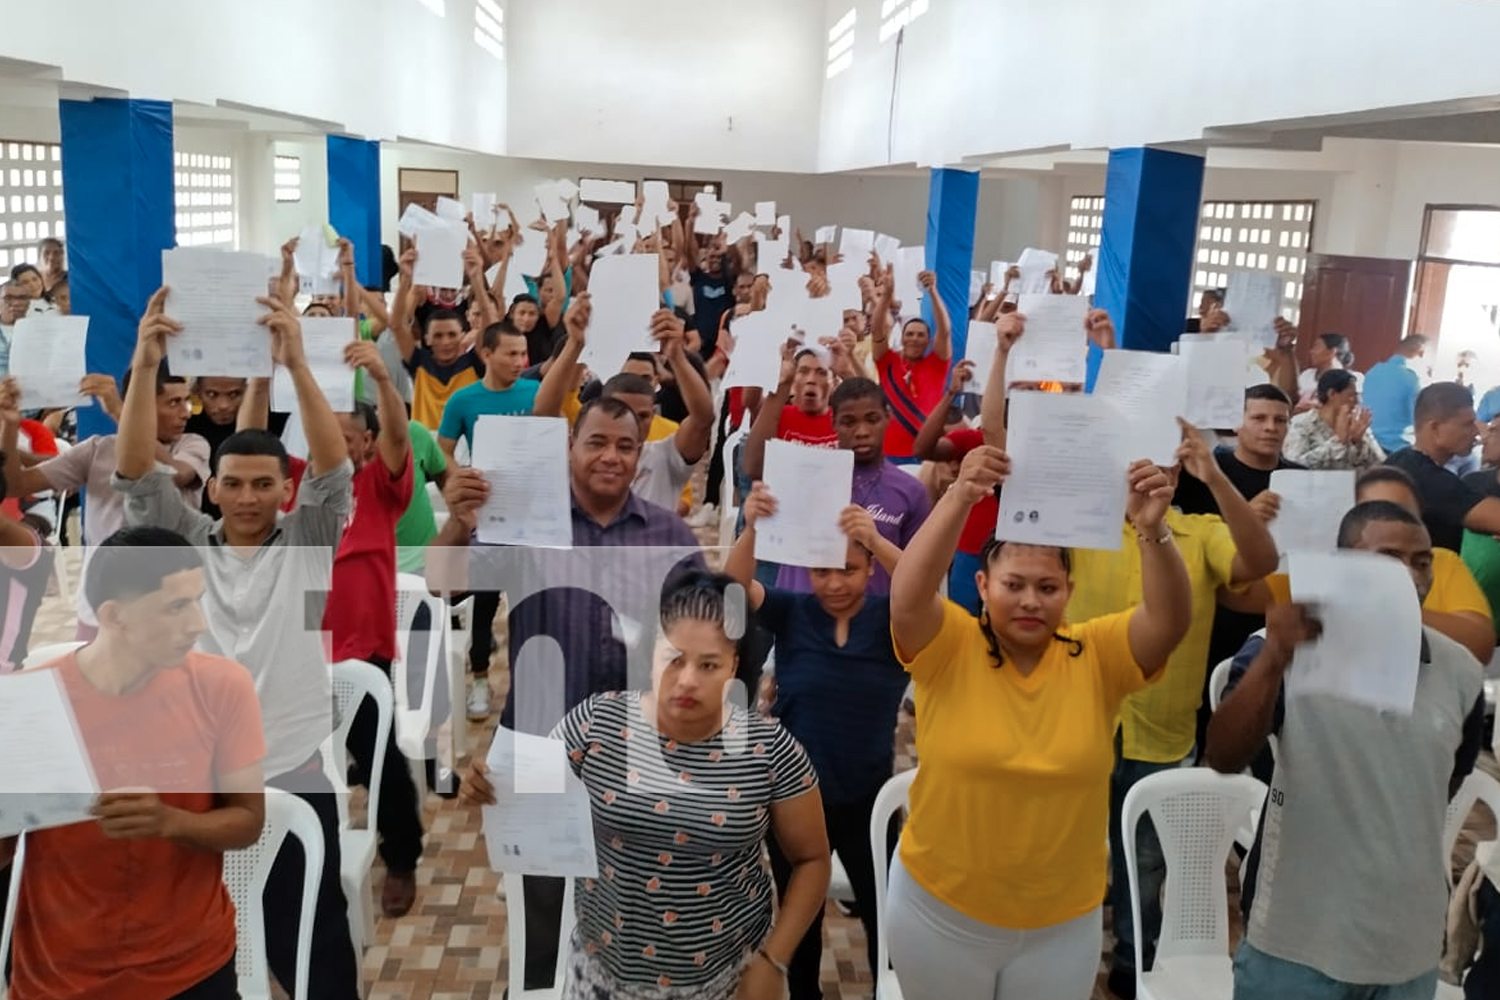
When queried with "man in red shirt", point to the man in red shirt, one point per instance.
{"points": [[913, 378], [133, 903], [361, 612], [797, 411]]}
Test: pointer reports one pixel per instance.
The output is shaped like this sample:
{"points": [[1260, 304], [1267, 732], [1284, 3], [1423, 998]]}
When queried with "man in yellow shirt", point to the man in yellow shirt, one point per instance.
{"points": [[1158, 725]]}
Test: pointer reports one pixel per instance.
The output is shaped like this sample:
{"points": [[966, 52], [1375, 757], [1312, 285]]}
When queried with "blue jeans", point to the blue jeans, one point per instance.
{"points": [[1258, 976], [1151, 866], [962, 590]]}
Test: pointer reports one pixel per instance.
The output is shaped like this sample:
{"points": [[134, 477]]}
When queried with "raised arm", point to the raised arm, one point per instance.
{"points": [[858, 524], [695, 433], [556, 260], [880, 323], [1161, 619], [17, 542], [1008, 329], [768, 418], [930, 445], [255, 406], [942, 334], [916, 605], [136, 445], [741, 562], [20, 480], [560, 375], [403, 308], [1248, 714], [474, 273], [1255, 554], [325, 440], [394, 440], [287, 283]]}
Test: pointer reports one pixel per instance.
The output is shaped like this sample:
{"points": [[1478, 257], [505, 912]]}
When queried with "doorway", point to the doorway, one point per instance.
{"points": [[1457, 304]]}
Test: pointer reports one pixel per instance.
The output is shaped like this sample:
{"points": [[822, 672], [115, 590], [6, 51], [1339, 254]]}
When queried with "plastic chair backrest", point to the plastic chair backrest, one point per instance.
{"points": [[415, 723], [46, 654], [245, 873], [1197, 812], [353, 681], [1477, 787], [515, 939], [10, 909], [1217, 682], [894, 796]]}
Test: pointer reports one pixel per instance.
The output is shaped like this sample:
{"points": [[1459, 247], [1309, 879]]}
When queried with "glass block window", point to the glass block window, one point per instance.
{"points": [[1271, 236], [205, 201], [31, 203], [1085, 226]]}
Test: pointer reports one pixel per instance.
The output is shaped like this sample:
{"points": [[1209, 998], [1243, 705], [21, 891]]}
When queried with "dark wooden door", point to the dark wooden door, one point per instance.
{"points": [[1364, 298]]}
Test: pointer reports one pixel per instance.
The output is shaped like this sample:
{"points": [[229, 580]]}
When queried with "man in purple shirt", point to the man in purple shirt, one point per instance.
{"points": [[895, 498], [594, 613]]}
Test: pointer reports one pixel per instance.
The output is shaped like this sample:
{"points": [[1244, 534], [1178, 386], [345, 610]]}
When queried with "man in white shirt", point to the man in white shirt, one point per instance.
{"points": [[14, 304]]}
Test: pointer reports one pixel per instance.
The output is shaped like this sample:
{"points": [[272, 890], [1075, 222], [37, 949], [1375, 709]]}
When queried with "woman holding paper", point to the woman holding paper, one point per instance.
{"points": [[997, 888], [684, 788]]}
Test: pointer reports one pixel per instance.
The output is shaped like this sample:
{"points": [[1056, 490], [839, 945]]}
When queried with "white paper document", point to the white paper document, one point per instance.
{"points": [[812, 486], [1146, 392], [485, 209], [451, 209], [323, 341], [1055, 346], [886, 247], [976, 287], [317, 260], [1067, 483], [414, 218], [742, 226], [1353, 661], [980, 348], [710, 220], [1253, 301], [1313, 503], [997, 279], [856, 244], [47, 359], [587, 220], [756, 361], [440, 255], [909, 263], [213, 295], [541, 822], [607, 192], [626, 294], [816, 319], [550, 200], [1035, 265], [843, 283], [525, 461], [769, 253], [1215, 382], [46, 778], [765, 213], [824, 235]]}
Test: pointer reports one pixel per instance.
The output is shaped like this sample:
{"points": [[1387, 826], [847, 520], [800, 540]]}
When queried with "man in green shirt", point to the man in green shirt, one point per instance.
{"points": [[418, 526]]}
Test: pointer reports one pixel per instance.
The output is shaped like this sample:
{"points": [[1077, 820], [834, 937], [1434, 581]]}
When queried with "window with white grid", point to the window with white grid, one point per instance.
{"points": [[31, 204], [288, 178], [489, 27], [1085, 226], [897, 14], [1267, 236], [841, 43], [205, 201]]}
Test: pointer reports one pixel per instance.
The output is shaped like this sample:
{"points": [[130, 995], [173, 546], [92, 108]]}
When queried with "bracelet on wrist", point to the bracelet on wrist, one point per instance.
{"points": [[1161, 537], [778, 966]]}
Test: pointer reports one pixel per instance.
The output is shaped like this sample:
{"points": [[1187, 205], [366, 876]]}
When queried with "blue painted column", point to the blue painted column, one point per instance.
{"points": [[354, 200], [120, 208], [1151, 204], [952, 204]]}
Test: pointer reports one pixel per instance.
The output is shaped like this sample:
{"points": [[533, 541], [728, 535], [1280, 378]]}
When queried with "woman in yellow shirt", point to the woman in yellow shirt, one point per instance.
{"points": [[997, 888]]}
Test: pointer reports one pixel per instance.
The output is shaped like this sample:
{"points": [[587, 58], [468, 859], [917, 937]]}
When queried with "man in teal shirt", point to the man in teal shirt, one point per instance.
{"points": [[1390, 392], [502, 392]]}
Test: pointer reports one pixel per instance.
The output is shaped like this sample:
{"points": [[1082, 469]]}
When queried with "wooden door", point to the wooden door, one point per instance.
{"points": [[1364, 298], [423, 187]]}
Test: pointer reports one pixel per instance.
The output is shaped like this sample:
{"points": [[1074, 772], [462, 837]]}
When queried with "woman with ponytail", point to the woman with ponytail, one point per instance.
{"points": [[997, 888]]}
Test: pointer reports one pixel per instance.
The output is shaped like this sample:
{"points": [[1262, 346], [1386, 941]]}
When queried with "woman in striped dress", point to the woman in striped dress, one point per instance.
{"points": [[684, 788]]}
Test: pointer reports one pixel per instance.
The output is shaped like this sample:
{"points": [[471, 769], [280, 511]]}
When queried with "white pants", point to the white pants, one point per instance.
{"points": [[940, 954]]}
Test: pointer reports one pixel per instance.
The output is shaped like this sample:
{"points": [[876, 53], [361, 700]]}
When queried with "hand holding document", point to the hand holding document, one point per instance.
{"points": [[47, 359], [46, 777], [1313, 503], [323, 341], [317, 260], [980, 348], [1146, 393], [1351, 661], [541, 822], [886, 247], [440, 254], [756, 361], [1035, 265], [812, 486], [525, 461], [1215, 380], [997, 279], [1067, 484], [213, 295], [1253, 301], [486, 210], [626, 293], [554, 206], [1055, 347]]}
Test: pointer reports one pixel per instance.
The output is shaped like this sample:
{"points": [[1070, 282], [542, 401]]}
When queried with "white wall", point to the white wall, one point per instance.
{"points": [[981, 77], [697, 83], [378, 68]]}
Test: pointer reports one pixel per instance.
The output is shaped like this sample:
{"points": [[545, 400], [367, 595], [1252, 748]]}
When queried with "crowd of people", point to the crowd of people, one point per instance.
{"points": [[735, 728]]}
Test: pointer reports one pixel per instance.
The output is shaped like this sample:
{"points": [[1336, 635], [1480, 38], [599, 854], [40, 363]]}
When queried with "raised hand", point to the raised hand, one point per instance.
{"points": [[1149, 497], [286, 333], [760, 503], [10, 401], [364, 354], [982, 470], [154, 329], [1100, 329], [1008, 329], [576, 320], [1194, 454], [963, 373], [859, 525], [465, 492], [1267, 505]]}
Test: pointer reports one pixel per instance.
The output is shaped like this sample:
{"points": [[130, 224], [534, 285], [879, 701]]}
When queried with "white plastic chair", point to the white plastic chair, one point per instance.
{"points": [[1197, 813], [353, 681], [10, 912], [245, 875], [840, 889], [1217, 682], [893, 797], [515, 939], [730, 511], [415, 725], [46, 654], [1477, 787]]}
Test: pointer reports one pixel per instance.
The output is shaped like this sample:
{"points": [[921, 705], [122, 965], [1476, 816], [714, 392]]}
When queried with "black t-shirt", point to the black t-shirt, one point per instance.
{"points": [[1446, 499], [712, 298], [542, 339], [216, 434]]}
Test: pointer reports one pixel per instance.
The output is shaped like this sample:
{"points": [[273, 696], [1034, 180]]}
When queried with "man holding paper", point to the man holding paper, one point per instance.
{"points": [[913, 378], [133, 904], [264, 570], [1344, 893], [439, 364], [1158, 725]]}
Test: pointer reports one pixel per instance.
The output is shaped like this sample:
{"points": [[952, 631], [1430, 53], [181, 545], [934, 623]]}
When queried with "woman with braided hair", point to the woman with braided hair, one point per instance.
{"points": [[997, 888]]}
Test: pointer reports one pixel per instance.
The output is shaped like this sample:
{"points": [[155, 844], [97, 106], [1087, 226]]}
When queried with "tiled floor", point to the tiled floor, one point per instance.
{"points": [[452, 945]]}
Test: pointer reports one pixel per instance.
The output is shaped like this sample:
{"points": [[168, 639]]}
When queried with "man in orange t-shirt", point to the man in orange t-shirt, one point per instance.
{"points": [[132, 903]]}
